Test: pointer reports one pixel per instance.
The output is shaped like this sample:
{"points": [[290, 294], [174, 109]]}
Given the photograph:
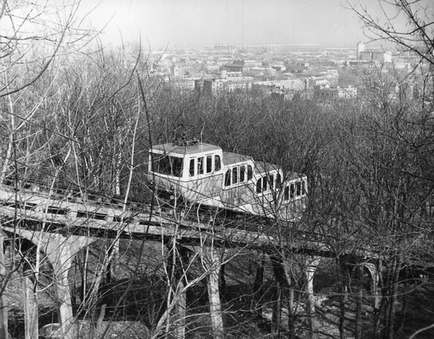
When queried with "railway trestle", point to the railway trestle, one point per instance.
{"points": [[63, 224]]}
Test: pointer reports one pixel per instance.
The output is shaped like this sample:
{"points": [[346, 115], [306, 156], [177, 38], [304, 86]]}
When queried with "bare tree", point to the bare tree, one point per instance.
{"points": [[33, 36], [407, 25]]}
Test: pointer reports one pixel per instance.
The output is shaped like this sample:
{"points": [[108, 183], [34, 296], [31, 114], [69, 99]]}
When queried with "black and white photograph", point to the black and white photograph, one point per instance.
{"points": [[223, 169]]}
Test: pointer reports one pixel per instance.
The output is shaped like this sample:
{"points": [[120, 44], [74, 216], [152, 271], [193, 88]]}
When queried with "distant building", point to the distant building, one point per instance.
{"points": [[185, 84], [218, 86], [360, 49], [281, 88], [212, 68], [261, 71], [278, 68], [330, 93], [372, 55], [406, 60], [235, 76], [233, 67]]}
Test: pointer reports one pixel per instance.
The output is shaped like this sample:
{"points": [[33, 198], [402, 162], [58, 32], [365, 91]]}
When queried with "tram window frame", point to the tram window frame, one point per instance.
{"points": [[264, 184], [234, 175], [298, 189], [259, 186], [209, 163], [278, 180], [200, 166], [192, 167], [270, 179], [177, 165], [286, 193], [228, 177], [249, 172], [167, 165], [242, 173], [217, 163]]}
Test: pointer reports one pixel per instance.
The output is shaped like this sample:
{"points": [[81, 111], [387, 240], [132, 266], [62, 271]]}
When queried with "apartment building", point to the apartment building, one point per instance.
{"points": [[331, 93]]}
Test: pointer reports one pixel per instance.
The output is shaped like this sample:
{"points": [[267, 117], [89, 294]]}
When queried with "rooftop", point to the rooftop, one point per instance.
{"points": [[188, 148], [230, 158]]}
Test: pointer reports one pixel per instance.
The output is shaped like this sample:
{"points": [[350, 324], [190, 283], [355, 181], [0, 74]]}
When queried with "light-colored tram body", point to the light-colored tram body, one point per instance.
{"points": [[204, 174]]}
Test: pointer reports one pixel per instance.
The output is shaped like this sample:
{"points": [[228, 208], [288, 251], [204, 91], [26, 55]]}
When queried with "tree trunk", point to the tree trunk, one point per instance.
{"points": [[3, 304], [382, 306], [343, 296], [403, 307], [30, 309], [311, 266], [393, 295], [358, 324], [180, 313], [222, 280], [277, 309], [214, 263], [259, 277], [112, 265], [291, 318]]}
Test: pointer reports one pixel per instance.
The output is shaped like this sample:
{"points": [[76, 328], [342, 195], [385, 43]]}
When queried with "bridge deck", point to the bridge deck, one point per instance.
{"points": [[33, 207]]}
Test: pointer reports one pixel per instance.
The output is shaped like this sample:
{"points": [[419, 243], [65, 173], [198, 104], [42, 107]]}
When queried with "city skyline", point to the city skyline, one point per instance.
{"points": [[195, 23]]}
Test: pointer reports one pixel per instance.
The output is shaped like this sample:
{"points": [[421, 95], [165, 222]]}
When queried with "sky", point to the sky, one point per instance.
{"points": [[196, 23]]}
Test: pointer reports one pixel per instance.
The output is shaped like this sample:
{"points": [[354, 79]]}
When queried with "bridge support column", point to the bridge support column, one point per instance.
{"points": [[375, 279], [59, 250], [257, 286], [212, 261], [60, 256], [311, 266], [178, 261]]}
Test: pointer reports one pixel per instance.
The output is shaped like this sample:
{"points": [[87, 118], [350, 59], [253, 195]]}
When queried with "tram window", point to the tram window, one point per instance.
{"points": [[271, 181], [298, 186], [286, 193], [167, 165], [191, 167], [228, 178], [292, 191], [278, 180], [200, 165], [160, 164], [217, 163], [208, 163], [177, 166], [259, 185], [249, 172], [234, 175], [242, 173], [303, 187]]}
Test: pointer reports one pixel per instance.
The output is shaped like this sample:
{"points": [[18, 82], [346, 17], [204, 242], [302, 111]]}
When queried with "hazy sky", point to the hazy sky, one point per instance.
{"points": [[192, 23]]}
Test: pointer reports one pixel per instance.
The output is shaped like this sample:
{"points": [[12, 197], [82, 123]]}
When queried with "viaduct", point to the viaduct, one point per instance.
{"points": [[61, 223]]}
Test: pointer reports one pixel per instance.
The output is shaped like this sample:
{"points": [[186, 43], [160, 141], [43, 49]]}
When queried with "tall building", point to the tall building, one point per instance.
{"points": [[371, 55], [360, 48]]}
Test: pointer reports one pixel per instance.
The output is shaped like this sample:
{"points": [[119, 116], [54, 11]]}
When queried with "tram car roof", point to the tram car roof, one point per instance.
{"points": [[230, 158], [265, 167], [260, 166], [196, 148]]}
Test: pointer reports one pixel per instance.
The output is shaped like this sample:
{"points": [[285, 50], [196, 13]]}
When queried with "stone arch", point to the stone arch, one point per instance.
{"points": [[24, 253], [59, 251], [374, 278]]}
